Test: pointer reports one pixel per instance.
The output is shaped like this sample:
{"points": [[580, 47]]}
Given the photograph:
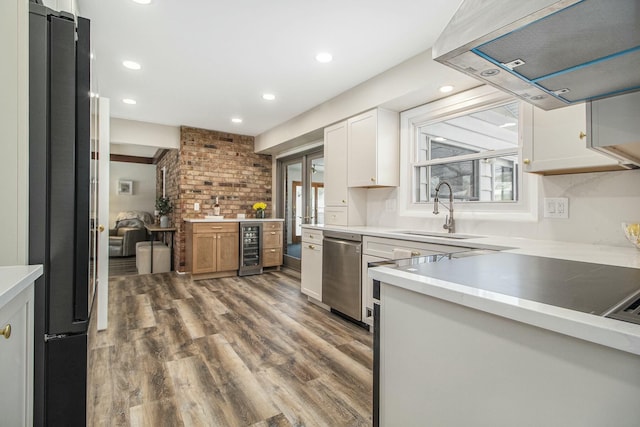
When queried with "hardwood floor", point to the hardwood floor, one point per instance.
{"points": [[248, 351]]}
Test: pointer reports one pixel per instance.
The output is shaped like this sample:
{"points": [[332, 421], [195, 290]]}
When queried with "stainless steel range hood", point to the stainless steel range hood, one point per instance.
{"points": [[550, 53]]}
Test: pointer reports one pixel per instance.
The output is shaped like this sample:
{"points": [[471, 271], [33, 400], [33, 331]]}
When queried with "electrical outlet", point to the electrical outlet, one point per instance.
{"points": [[556, 207], [196, 206]]}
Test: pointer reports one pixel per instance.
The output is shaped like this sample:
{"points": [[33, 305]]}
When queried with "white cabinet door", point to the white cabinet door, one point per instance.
{"points": [[615, 126], [311, 265], [557, 143], [363, 154], [373, 153], [367, 289], [16, 361], [335, 158]]}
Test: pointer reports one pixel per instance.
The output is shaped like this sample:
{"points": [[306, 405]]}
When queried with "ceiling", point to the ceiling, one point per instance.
{"points": [[205, 62]]}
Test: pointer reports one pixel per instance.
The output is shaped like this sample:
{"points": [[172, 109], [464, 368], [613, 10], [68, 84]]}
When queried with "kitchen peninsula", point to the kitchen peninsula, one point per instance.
{"points": [[476, 340], [458, 347]]}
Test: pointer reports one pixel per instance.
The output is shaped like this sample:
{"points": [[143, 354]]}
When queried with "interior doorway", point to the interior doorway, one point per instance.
{"points": [[301, 180]]}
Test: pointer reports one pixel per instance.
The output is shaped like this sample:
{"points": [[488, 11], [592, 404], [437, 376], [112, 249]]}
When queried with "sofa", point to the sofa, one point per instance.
{"points": [[128, 231]]}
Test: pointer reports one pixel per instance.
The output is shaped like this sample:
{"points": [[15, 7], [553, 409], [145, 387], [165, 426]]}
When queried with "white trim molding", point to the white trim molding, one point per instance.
{"points": [[524, 210]]}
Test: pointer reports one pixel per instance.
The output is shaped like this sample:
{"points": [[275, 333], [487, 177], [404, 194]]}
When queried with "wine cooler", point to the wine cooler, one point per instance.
{"points": [[250, 248]]}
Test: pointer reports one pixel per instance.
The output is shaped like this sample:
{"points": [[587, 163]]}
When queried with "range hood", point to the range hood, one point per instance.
{"points": [[549, 53]]}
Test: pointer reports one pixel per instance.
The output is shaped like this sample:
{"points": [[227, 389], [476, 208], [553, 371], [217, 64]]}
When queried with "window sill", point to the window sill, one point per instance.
{"points": [[475, 215]]}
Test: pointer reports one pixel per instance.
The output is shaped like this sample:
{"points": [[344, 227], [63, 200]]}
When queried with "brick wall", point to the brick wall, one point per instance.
{"points": [[209, 164]]}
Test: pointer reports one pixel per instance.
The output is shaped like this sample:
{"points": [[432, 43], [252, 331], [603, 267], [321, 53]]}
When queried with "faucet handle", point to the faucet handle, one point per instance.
{"points": [[446, 222]]}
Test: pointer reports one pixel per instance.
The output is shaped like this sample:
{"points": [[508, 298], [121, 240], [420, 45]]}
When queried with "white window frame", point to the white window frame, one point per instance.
{"points": [[480, 98]]}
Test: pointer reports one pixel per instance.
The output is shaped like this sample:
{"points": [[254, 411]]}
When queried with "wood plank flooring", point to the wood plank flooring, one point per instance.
{"points": [[236, 351]]}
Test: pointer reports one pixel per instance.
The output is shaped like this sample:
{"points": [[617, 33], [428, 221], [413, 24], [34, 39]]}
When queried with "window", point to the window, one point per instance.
{"points": [[477, 154], [473, 141]]}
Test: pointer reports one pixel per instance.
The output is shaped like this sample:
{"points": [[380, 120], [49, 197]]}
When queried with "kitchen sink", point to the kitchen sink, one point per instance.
{"points": [[437, 234]]}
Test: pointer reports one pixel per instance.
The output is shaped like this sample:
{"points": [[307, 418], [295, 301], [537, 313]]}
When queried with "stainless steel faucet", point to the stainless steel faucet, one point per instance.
{"points": [[449, 223]]}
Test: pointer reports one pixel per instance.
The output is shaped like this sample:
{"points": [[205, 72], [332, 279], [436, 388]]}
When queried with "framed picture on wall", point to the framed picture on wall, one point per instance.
{"points": [[125, 187]]}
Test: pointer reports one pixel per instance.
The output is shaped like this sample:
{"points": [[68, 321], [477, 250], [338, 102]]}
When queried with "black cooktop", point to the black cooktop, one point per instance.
{"points": [[586, 287]]}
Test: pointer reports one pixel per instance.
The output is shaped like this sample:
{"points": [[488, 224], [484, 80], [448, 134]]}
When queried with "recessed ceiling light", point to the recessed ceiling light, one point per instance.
{"points": [[268, 96], [324, 57], [132, 65], [236, 120], [129, 101], [507, 125], [439, 139], [142, 1], [445, 89]]}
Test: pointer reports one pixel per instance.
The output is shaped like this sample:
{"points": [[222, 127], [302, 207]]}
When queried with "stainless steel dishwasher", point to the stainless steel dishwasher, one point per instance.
{"points": [[341, 273]]}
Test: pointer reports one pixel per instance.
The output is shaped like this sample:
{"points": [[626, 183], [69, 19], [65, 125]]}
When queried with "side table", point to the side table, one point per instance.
{"points": [[153, 229]]}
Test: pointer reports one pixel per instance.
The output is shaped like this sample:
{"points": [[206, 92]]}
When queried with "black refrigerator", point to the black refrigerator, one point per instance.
{"points": [[59, 183]]}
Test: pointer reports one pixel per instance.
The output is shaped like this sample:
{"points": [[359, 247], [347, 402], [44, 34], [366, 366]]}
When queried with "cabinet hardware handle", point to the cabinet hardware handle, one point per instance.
{"points": [[272, 250], [344, 201], [373, 180], [415, 253], [311, 236], [311, 247], [526, 161], [6, 331], [273, 232], [582, 135], [101, 228]]}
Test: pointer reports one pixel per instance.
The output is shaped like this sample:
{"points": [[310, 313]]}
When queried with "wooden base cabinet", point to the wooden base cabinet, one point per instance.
{"points": [[272, 244], [212, 249]]}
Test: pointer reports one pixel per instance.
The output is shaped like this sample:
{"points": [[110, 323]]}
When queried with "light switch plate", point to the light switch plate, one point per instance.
{"points": [[196, 206], [556, 207]]}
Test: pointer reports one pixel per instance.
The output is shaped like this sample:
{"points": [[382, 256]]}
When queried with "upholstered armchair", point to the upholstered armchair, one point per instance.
{"points": [[129, 230]]}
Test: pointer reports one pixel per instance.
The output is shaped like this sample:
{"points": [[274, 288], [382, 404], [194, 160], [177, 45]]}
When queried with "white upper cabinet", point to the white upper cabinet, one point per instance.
{"points": [[335, 159], [373, 149], [343, 205], [555, 142]]}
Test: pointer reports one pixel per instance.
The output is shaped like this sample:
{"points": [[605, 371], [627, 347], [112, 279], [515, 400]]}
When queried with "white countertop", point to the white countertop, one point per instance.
{"points": [[599, 254], [609, 332], [601, 330], [233, 220], [14, 279]]}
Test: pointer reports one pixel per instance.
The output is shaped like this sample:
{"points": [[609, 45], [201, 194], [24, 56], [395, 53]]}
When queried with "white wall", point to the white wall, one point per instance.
{"points": [[598, 203], [144, 188], [65, 5], [14, 143], [143, 133], [134, 133], [413, 82]]}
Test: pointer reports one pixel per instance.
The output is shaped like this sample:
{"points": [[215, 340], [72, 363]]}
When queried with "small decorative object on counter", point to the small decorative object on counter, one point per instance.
{"points": [[163, 205], [216, 207], [632, 232], [260, 208]]}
